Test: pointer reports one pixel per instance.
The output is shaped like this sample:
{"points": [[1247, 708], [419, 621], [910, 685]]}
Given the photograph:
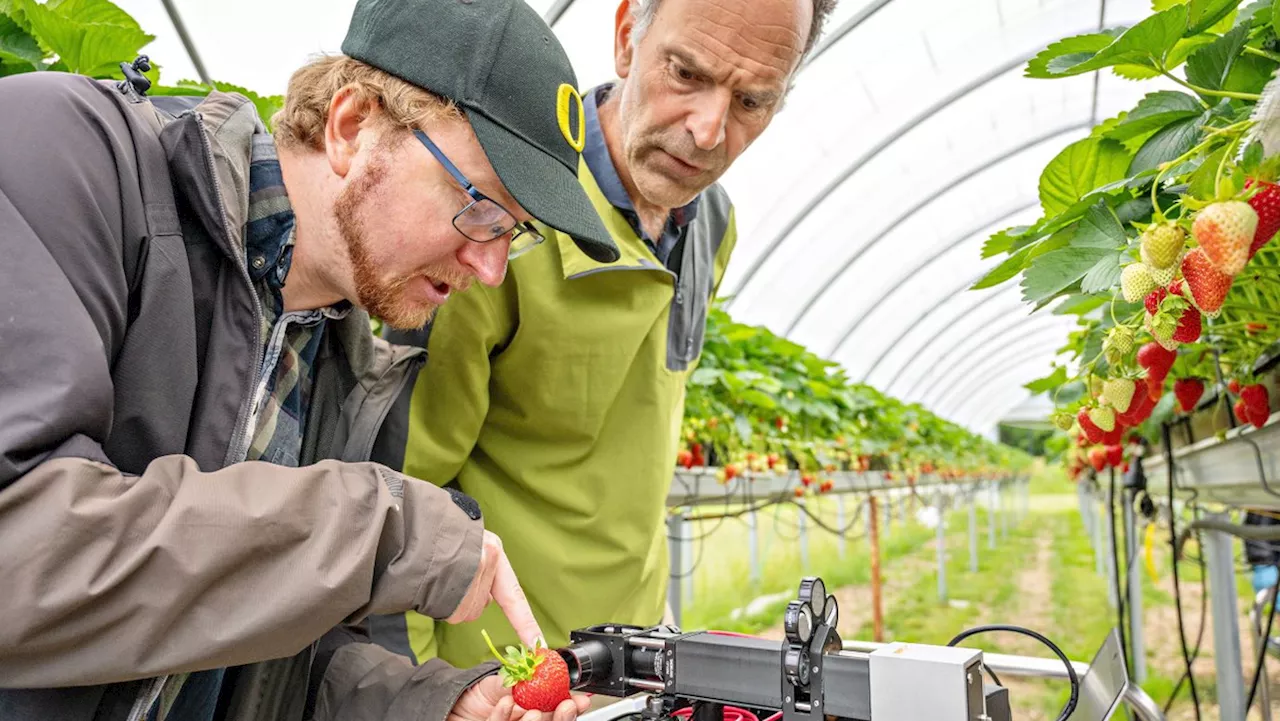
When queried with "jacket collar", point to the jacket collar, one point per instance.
{"points": [[229, 124]]}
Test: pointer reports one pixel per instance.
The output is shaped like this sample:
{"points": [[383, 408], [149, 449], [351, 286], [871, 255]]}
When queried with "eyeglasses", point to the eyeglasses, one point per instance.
{"points": [[484, 219]]}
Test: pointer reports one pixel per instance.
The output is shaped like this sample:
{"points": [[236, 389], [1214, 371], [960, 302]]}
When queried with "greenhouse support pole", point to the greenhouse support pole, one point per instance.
{"points": [[1109, 560], [991, 515], [942, 549], [802, 527], [877, 620], [675, 541], [1137, 643], [1004, 513], [973, 533], [1226, 627], [840, 523], [753, 529], [686, 540], [888, 514], [1101, 549]]}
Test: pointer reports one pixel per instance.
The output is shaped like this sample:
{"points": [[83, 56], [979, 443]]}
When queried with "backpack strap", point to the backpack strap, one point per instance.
{"points": [[145, 122]]}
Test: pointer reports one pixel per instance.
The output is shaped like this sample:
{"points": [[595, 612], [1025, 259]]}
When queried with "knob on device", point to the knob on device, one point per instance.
{"points": [[798, 622], [814, 593]]}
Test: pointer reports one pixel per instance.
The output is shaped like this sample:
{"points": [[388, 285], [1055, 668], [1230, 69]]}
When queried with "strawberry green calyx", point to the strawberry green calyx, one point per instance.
{"points": [[519, 664]]}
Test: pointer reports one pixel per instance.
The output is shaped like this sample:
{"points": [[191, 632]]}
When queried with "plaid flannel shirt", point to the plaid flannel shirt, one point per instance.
{"points": [[290, 341]]}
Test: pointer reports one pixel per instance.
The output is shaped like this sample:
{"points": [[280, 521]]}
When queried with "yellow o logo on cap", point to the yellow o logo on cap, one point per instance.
{"points": [[567, 92]]}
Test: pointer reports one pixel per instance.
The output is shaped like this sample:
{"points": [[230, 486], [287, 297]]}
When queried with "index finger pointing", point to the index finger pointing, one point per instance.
{"points": [[511, 599]]}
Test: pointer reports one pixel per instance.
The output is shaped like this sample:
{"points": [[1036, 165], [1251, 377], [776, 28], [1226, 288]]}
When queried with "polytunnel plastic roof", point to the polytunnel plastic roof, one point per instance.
{"points": [[911, 135]]}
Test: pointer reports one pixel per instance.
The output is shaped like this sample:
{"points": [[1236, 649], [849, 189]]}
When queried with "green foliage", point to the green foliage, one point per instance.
{"points": [[1160, 162], [757, 393], [92, 38]]}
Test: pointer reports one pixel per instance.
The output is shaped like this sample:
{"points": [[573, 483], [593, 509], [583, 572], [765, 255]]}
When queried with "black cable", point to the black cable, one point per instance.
{"points": [[1071, 670], [1177, 588], [1115, 574], [1261, 668]]}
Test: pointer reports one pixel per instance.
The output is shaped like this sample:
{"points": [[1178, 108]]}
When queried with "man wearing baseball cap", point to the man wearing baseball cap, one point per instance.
{"points": [[190, 527]]}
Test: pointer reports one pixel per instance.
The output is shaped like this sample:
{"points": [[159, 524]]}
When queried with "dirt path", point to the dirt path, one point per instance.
{"points": [[1033, 610]]}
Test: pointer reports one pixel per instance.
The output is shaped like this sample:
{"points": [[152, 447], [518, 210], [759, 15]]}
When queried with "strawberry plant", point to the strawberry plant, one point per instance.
{"points": [[91, 37], [761, 403], [1156, 228]]}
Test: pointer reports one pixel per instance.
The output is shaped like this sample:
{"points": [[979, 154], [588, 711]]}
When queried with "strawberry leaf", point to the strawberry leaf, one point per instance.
{"points": [[1210, 66], [1080, 304], [1201, 186], [90, 36], [1057, 270], [1155, 111], [1250, 74], [17, 47], [1080, 168], [1104, 275], [1049, 382], [1068, 50], [1166, 145], [1145, 44], [1015, 263], [1099, 229], [1210, 15]]}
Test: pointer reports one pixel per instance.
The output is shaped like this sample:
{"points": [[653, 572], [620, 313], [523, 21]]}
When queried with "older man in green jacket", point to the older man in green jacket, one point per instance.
{"points": [[556, 399]]}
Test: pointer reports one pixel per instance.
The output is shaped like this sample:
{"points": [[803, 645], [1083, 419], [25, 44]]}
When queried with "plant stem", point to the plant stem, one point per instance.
{"points": [[1261, 53], [1211, 93]]}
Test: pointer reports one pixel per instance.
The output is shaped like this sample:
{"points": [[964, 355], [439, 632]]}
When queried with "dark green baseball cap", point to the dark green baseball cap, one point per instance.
{"points": [[501, 64]]}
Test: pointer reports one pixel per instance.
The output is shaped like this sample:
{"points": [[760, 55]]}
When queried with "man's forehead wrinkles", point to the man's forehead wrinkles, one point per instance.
{"points": [[722, 61]]}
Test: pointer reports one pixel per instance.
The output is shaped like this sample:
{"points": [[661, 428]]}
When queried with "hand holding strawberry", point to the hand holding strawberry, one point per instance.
{"points": [[538, 678], [489, 700]]}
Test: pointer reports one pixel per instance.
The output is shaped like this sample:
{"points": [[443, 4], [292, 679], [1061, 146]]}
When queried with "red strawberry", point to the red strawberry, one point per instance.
{"points": [[799, 493], [1225, 230], [1091, 430], [538, 679], [779, 422], [1254, 328], [1139, 409], [1098, 458], [1188, 391], [1207, 285], [1114, 436], [1188, 326], [807, 480], [1081, 441], [827, 485], [1242, 411], [730, 471], [1155, 389], [1267, 205], [1152, 301], [1125, 467], [1234, 386], [1157, 360], [1115, 455], [1257, 402], [685, 459]]}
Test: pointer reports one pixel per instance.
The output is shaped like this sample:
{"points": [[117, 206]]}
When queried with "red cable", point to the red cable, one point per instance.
{"points": [[731, 633], [731, 713]]}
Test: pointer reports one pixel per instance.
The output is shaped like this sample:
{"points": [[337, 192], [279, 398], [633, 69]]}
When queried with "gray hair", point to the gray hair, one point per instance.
{"points": [[645, 10]]}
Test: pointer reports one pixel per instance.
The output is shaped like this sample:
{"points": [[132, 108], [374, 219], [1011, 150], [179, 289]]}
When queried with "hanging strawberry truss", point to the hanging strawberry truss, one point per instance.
{"points": [[1156, 230]]}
